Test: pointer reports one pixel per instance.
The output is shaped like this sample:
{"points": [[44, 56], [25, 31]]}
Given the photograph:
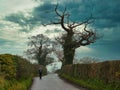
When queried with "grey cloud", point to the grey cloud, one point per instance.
{"points": [[26, 23], [105, 12], [17, 18], [44, 13], [1, 26], [53, 31], [3, 41], [103, 50], [38, 16]]}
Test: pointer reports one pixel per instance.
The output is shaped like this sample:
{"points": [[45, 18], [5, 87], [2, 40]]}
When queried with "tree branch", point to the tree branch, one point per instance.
{"points": [[88, 21], [57, 11]]}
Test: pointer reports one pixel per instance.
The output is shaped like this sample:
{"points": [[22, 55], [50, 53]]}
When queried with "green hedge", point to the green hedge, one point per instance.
{"points": [[102, 73], [16, 73], [7, 66], [109, 71]]}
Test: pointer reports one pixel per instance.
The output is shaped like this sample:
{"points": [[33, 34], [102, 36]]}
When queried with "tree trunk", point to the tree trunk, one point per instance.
{"points": [[69, 50], [41, 61], [69, 55]]}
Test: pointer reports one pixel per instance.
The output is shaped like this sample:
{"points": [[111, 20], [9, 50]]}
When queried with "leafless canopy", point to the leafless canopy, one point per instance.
{"points": [[40, 47], [85, 36]]}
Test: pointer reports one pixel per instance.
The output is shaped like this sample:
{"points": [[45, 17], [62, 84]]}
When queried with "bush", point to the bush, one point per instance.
{"points": [[16, 73], [8, 68]]}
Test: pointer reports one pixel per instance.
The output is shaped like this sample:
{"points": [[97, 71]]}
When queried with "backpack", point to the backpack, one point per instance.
{"points": [[40, 70]]}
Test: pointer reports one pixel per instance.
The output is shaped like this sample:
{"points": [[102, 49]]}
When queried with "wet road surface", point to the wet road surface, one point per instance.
{"points": [[52, 82]]}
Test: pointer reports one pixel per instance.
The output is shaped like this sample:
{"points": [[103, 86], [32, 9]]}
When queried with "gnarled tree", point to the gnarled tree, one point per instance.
{"points": [[73, 37]]}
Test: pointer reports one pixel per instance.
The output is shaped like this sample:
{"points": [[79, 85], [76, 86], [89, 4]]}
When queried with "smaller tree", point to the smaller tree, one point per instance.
{"points": [[58, 51], [39, 47]]}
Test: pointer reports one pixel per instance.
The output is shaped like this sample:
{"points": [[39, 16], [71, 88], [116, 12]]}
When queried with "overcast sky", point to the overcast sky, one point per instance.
{"points": [[20, 19]]}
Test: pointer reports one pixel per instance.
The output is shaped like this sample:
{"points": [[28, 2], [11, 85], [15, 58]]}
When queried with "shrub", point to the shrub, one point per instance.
{"points": [[16, 73], [7, 66]]}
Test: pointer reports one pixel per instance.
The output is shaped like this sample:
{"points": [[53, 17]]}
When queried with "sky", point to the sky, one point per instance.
{"points": [[20, 19]]}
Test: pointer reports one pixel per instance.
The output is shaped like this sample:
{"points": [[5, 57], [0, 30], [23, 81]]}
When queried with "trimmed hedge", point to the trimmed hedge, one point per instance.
{"points": [[108, 71]]}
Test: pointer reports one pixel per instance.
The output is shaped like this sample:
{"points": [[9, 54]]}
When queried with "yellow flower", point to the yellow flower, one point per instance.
{"points": [[117, 74]]}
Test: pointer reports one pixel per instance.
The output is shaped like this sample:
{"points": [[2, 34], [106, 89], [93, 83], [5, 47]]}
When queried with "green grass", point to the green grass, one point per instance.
{"points": [[22, 84], [93, 84]]}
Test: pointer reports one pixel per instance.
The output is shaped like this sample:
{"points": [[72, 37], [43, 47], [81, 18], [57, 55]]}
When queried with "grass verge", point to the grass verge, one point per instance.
{"points": [[22, 84], [92, 84]]}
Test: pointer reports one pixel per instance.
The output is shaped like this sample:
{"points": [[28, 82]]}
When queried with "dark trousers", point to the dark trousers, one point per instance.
{"points": [[40, 75]]}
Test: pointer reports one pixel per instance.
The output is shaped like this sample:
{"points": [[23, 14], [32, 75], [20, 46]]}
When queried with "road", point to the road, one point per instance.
{"points": [[52, 82]]}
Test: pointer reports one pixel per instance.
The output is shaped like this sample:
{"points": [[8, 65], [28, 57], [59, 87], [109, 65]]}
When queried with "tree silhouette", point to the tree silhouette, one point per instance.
{"points": [[40, 47]]}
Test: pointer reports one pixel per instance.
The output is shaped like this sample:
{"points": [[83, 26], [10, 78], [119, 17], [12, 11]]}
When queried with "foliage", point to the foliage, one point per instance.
{"points": [[105, 74], [16, 73], [23, 84], [7, 66], [92, 83]]}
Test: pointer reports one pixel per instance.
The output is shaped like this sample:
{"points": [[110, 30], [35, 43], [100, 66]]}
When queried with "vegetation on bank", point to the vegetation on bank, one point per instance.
{"points": [[95, 76], [16, 73], [22, 84]]}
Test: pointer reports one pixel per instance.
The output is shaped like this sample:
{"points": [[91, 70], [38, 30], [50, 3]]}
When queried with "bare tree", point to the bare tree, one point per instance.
{"points": [[59, 54], [58, 51], [39, 47], [73, 37]]}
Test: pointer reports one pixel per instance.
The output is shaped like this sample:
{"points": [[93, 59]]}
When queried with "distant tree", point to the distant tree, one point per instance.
{"points": [[39, 47], [54, 68], [58, 51], [87, 60], [73, 37], [59, 54], [75, 61]]}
